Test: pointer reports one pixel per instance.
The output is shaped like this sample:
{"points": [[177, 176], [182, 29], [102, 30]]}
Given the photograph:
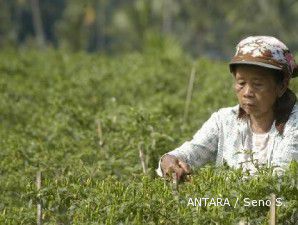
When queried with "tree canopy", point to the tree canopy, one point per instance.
{"points": [[208, 28]]}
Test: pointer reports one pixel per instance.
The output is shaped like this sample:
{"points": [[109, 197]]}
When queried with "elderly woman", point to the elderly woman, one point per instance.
{"points": [[262, 129]]}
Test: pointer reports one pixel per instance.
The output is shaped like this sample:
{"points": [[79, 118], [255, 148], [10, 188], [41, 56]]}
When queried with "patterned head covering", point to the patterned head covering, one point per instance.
{"points": [[267, 52]]}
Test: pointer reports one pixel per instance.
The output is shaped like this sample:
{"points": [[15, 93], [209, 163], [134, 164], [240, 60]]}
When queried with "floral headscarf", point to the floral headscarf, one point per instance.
{"points": [[267, 52]]}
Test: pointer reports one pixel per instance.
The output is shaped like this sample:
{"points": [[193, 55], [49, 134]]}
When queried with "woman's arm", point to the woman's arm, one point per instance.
{"points": [[201, 149]]}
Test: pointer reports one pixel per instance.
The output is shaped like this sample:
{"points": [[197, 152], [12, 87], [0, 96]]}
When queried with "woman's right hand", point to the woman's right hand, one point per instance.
{"points": [[171, 164]]}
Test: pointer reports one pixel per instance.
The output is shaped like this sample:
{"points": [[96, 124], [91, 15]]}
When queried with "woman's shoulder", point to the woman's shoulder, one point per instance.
{"points": [[228, 112], [295, 110], [228, 115], [292, 123]]}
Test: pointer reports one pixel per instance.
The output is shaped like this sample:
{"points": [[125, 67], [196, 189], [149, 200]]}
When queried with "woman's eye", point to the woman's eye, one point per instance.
{"points": [[241, 83], [258, 84]]}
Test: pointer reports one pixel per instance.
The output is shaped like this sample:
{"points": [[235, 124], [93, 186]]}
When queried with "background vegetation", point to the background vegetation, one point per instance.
{"points": [[209, 28], [51, 106], [86, 85]]}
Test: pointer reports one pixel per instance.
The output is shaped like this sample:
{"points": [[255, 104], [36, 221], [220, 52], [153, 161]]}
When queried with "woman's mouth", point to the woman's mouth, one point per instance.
{"points": [[248, 105]]}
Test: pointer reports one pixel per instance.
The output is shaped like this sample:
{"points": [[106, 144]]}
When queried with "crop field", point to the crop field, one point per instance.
{"points": [[82, 119]]}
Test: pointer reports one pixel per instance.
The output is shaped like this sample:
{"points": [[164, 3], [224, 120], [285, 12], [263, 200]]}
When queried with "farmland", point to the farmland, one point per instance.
{"points": [[81, 120]]}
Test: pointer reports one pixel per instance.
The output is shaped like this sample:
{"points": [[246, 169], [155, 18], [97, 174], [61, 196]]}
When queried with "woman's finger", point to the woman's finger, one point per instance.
{"points": [[184, 166], [175, 168]]}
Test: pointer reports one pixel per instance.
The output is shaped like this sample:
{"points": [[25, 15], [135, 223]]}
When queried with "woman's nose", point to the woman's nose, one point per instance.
{"points": [[248, 91]]}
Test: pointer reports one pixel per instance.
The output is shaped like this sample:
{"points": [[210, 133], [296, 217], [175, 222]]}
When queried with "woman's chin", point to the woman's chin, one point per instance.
{"points": [[249, 109]]}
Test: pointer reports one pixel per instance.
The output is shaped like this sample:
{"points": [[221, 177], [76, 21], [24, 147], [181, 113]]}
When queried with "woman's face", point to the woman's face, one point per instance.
{"points": [[256, 90]]}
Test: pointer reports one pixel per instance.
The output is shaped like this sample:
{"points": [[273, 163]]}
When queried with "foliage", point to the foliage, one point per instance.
{"points": [[51, 106], [209, 28]]}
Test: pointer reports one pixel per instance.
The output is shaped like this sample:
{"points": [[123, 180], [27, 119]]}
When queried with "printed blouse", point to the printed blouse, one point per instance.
{"points": [[226, 138]]}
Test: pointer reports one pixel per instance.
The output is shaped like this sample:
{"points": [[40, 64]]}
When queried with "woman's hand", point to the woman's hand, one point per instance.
{"points": [[171, 164]]}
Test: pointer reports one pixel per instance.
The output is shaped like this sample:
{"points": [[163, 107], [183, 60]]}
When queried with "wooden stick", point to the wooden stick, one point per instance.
{"points": [[143, 159], [244, 221], [189, 93], [241, 222], [99, 133], [272, 220], [39, 203]]}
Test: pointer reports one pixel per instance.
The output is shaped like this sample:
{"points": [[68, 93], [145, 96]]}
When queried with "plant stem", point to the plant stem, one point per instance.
{"points": [[189, 93], [143, 159]]}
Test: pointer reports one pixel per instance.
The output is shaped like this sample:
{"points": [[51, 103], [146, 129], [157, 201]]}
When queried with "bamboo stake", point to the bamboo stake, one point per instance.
{"points": [[241, 222], [244, 221], [99, 133], [143, 159], [39, 203], [189, 93], [272, 220]]}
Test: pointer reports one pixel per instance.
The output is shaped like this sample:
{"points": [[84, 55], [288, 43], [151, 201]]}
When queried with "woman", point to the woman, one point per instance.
{"points": [[262, 129]]}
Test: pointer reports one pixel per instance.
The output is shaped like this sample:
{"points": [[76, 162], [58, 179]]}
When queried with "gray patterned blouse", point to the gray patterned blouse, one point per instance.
{"points": [[225, 138]]}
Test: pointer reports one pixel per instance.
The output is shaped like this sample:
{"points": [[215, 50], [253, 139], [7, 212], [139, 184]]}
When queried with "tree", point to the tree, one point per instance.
{"points": [[37, 23]]}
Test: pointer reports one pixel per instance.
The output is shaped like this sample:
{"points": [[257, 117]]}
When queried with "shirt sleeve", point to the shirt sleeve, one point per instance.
{"points": [[287, 151], [202, 148]]}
